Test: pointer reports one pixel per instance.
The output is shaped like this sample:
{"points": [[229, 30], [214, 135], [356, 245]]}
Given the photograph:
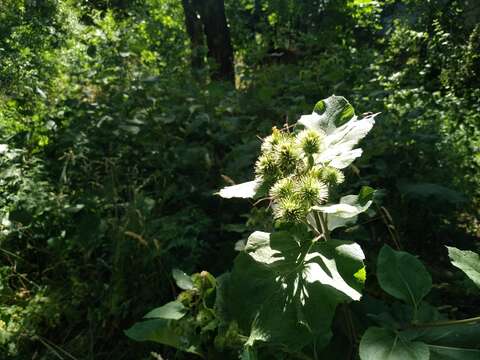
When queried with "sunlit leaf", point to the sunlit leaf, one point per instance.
{"points": [[345, 212], [335, 117], [244, 190], [293, 287], [328, 114]]}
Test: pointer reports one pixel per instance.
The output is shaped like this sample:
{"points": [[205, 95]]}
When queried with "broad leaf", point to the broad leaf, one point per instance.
{"points": [[248, 354], [164, 332], [284, 289], [467, 261], [398, 315], [403, 276], [173, 310], [383, 344], [431, 192], [182, 280], [335, 117], [244, 190], [449, 342], [328, 114], [451, 336], [346, 211], [448, 353]]}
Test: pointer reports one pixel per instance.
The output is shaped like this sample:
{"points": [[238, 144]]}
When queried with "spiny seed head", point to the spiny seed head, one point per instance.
{"points": [[315, 172], [310, 141], [266, 166], [332, 176], [311, 190], [288, 155], [270, 141], [327, 174], [267, 144], [282, 189], [289, 210]]}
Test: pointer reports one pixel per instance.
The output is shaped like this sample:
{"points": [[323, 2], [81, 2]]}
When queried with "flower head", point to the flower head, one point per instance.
{"points": [[331, 175], [283, 188], [290, 210], [270, 141], [287, 155], [298, 171], [311, 190], [266, 166], [310, 141]]}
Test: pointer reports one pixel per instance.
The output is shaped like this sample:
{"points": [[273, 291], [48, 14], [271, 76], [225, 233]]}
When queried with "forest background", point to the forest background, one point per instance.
{"points": [[119, 120]]}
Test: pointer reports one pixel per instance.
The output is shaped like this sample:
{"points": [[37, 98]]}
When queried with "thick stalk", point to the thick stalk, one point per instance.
{"points": [[323, 222], [318, 223], [446, 323]]}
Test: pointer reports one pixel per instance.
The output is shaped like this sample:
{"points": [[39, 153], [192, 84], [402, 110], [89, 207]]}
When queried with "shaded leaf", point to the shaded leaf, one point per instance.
{"points": [[447, 353], [402, 275], [452, 336], [182, 280], [383, 344], [173, 310], [467, 261], [427, 191], [164, 332]]}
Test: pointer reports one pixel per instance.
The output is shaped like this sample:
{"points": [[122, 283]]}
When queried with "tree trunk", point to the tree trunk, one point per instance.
{"points": [[195, 33], [210, 14]]}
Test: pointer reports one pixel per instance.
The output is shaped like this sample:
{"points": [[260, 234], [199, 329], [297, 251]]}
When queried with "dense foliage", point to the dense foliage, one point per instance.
{"points": [[113, 149]]}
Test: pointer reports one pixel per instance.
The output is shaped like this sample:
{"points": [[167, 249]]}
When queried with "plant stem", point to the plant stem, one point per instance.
{"points": [[323, 222], [446, 323], [315, 230], [319, 223]]}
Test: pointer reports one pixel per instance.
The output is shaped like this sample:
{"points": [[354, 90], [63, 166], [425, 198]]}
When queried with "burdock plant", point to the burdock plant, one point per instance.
{"points": [[284, 286], [294, 277], [279, 300]]}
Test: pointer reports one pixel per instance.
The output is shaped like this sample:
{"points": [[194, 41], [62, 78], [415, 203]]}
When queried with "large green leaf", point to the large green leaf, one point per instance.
{"points": [[182, 280], [335, 117], [329, 113], [430, 191], [248, 354], [403, 276], [451, 336], [284, 289], [347, 210], [449, 342], [448, 353], [384, 344], [455, 341], [244, 190], [173, 310], [467, 261], [164, 332]]}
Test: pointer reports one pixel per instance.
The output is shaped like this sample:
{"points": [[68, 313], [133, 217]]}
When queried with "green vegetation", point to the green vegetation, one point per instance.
{"points": [[124, 125]]}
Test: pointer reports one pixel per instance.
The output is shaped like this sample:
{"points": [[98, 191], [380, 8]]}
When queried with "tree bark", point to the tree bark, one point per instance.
{"points": [[210, 14], [195, 33]]}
